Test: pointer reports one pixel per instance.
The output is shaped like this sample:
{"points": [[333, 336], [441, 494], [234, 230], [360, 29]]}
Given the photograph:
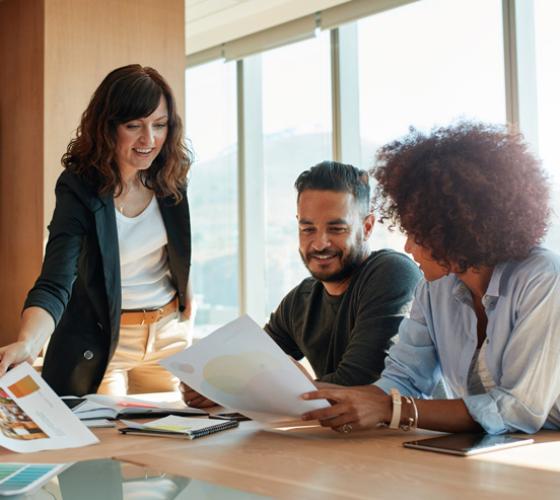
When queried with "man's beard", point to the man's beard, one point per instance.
{"points": [[349, 264]]}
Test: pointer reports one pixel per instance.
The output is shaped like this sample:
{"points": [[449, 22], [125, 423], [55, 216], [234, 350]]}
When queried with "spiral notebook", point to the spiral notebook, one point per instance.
{"points": [[174, 426]]}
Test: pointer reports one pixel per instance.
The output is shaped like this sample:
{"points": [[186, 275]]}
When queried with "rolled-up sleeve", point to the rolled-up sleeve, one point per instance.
{"points": [[530, 381], [412, 364]]}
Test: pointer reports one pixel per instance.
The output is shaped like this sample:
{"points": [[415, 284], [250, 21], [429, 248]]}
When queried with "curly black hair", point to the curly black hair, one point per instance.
{"points": [[471, 193]]}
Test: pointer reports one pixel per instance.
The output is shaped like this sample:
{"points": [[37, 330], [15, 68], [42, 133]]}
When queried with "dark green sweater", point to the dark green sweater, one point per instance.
{"points": [[346, 337]]}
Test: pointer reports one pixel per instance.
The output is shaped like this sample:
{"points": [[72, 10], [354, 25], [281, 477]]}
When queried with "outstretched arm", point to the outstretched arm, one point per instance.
{"points": [[47, 300], [36, 327], [367, 407]]}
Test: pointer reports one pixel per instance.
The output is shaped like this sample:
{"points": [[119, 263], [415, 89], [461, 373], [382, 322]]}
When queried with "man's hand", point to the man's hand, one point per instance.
{"points": [[14, 354], [355, 408], [193, 398]]}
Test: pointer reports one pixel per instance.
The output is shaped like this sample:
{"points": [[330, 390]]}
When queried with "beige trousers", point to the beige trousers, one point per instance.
{"points": [[134, 367]]}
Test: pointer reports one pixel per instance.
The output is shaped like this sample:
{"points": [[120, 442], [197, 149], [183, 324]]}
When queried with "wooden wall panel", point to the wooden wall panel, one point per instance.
{"points": [[21, 156], [54, 53]]}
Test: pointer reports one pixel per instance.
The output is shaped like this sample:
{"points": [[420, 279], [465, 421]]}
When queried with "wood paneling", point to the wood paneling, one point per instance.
{"points": [[21, 155], [54, 53]]}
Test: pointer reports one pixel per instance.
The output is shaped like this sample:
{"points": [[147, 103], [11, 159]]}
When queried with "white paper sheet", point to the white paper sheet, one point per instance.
{"points": [[239, 366], [32, 416]]}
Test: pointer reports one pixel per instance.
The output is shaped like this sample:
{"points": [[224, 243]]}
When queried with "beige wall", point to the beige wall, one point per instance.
{"points": [[74, 44]]}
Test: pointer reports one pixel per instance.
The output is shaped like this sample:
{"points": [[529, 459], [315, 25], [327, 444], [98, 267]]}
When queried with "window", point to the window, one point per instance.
{"points": [[426, 64], [547, 40], [211, 126], [297, 133]]}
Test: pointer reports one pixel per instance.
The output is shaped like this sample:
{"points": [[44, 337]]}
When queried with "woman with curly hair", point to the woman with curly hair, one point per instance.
{"points": [[485, 321], [114, 281]]}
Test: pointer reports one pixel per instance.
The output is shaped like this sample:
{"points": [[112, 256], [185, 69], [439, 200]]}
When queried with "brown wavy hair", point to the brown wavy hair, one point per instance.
{"points": [[471, 193], [128, 93]]}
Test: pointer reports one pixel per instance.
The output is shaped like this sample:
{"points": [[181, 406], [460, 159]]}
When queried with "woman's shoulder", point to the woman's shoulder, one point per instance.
{"points": [[540, 261], [539, 271], [82, 189]]}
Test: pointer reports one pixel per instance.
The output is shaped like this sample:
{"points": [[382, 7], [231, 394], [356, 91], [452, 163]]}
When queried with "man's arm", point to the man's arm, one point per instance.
{"points": [[382, 298]]}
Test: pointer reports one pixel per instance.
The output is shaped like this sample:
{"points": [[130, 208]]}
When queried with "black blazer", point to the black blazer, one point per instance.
{"points": [[80, 282]]}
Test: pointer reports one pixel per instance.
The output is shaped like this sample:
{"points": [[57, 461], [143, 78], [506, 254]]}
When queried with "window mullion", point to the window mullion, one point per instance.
{"points": [[251, 189]]}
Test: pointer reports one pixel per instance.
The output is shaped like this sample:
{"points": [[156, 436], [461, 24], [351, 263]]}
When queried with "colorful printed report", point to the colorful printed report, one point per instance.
{"points": [[32, 416]]}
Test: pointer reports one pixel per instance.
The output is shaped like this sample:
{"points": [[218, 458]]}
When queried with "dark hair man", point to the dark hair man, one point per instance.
{"points": [[343, 317]]}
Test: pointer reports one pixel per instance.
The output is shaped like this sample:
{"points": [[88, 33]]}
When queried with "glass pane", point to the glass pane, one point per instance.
{"points": [[297, 135], [211, 126], [110, 479], [426, 64], [547, 39]]}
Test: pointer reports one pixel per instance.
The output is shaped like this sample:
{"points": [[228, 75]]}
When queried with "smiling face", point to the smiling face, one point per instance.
{"points": [[332, 236], [423, 257], [140, 141]]}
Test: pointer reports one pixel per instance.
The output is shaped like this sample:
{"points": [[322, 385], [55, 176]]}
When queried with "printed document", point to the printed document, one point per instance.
{"points": [[240, 367], [33, 417]]}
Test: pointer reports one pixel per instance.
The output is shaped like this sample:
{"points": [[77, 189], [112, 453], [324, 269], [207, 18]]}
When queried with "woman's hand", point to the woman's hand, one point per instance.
{"points": [[14, 354], [193, 398], [36, 327], [353, 408]]}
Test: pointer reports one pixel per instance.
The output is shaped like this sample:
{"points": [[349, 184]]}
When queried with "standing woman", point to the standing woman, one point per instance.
{"points": [[485, 321], [114, 287]]}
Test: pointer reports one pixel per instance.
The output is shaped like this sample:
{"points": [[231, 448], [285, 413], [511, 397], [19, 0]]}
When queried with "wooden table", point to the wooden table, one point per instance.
{"points": [[316, 463]]}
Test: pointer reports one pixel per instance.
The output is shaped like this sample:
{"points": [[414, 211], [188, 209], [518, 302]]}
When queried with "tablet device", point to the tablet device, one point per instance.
{"points": [[467, 444]]}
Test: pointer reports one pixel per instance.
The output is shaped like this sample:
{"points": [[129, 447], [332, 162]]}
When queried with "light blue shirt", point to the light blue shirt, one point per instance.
{"points": [[439, 340]]}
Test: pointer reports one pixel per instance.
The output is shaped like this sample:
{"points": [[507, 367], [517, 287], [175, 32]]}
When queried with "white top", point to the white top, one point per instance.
{"points": [[145, 275], [479, 379]]}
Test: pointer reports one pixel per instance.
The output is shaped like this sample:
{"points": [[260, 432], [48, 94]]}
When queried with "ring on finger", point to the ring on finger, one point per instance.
{"points": [[346, 428]]}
